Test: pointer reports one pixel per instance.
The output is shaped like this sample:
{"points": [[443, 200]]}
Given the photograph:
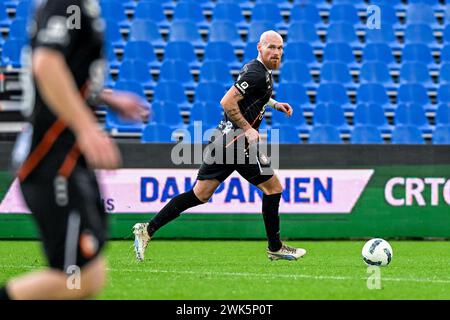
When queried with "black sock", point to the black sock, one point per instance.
{"points": [[270, 207], [172, 210], [4, 294]]}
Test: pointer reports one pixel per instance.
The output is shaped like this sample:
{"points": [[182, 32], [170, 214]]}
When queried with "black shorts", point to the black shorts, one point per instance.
{"points": [[249, 166], [70, 216]]}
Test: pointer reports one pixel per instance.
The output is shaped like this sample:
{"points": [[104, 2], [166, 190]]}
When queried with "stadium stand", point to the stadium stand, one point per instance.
{"points": [[347, 82]]}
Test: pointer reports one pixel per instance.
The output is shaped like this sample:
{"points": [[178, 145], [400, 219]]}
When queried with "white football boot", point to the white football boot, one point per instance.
{"points": [[286, 253], [141, 239]]}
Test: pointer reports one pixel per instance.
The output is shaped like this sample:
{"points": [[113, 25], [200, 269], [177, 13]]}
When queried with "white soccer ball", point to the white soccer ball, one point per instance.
{"points": [[377, 252]]}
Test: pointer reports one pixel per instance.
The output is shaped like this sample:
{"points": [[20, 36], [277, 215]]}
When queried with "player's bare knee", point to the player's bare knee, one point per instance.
{"points": [[204, 190], [204, 196]]}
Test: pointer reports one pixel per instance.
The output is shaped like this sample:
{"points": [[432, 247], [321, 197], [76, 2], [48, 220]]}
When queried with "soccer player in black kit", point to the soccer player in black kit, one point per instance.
{"points": [[57, 153], [244, 106]]}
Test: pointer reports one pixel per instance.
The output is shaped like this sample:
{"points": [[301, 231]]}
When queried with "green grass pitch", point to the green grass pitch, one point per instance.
{"points": [[231, 270]]}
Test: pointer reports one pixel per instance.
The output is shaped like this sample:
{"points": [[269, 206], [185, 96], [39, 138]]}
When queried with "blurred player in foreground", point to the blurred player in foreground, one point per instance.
{"points": [[244, 105], [59, 150]]}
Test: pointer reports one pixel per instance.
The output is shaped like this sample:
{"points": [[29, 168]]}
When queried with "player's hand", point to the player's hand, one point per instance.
{"points": [[99, 149], [129, 105], [252, 135], [285, 108]]}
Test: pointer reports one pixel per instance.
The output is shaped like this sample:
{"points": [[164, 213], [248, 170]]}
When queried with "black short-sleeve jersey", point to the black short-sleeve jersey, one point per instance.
{"points": [[255, 84], [73, 28]]}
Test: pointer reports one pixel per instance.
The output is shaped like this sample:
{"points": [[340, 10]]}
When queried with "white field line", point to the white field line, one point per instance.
{"points": [[257, 275], [278, 276]]}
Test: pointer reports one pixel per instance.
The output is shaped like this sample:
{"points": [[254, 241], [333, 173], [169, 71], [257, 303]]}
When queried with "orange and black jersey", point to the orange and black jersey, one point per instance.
{"points": [[74, 29], [255, 84]]}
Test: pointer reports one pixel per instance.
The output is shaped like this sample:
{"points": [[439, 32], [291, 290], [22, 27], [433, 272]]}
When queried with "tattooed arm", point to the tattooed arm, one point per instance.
{"points": [[229, 103]]}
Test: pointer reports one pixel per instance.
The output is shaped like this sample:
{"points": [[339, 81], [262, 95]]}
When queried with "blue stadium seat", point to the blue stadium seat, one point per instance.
{"points": [[427, 2], [172, 91], [286, 134], [116, 124], [268, 12], [136, 70], [155, 132], [113, 36], [446, 36], [441, 135], [412, 114], [331, 114], [18, 29], [307, 13], [141, 50], [376, 72], [114, 10], [24, 9], [206, 5], [182, 50], [343, 32], [186, 31], [340, 52], [216, 71], [257, 28], [304, 32], [4, 20], [419, 52], [360, 5], [447, 14], [223, 51], [168, 5], [300, 51], [190, 11], [131, 86], [421, 13], [345, 13], [113, 62], [421, 33], [416, 72], [178, 71], [167, 113], [443, 114], [374, 93], [297, 120], [243, 4], [362, 134], [407, 135], [145, 30], [210, 113], [443, 94], [230, 11], [285, 5], [323, 134], [383, 35], [389, 17], [415, 93], [210, 92], [250, 51], [336, 72], [11, 53], [371, 114], [322, 5], [334, 93], [153, 11], [296, 71], [379, 52], [397, 4], [295, 95], [226, 31], [445, 53], [444, 73]]}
